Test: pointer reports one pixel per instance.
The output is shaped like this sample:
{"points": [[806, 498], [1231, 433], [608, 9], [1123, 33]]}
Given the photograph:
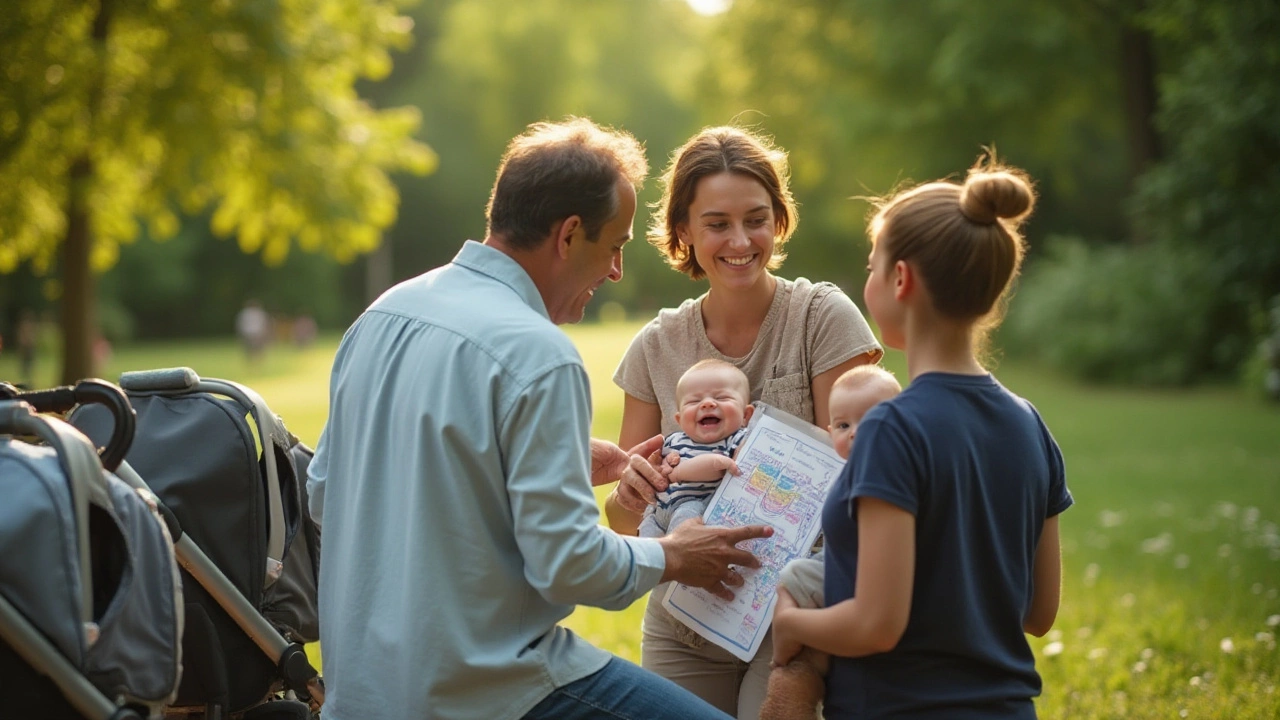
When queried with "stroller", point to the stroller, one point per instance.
{"points": [[90, 597], [226, 474]]}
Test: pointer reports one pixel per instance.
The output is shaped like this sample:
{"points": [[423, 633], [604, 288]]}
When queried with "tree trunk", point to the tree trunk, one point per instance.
{"points": [[1138, 83], [79, 321], [77, 311]]}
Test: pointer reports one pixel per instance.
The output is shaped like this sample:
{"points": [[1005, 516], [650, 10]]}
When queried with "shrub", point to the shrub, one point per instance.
{"points": [[1133, 314]]}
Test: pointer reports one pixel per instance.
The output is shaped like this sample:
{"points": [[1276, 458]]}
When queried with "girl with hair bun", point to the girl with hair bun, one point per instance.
{"points": [[942, 530]]}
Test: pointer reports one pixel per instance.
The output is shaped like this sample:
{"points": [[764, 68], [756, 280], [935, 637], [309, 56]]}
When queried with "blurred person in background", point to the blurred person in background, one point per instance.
{"points": [[253, 327], [28, 341]]}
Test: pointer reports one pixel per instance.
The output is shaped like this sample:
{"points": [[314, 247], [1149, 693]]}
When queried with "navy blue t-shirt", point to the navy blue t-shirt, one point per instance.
{"points": [[980, 472]]}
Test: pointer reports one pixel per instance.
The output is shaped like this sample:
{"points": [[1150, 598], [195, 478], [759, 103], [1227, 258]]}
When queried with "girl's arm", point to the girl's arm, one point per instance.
{"points": [[821, 388], [874, 620], [1046, 581], [640, 421]]}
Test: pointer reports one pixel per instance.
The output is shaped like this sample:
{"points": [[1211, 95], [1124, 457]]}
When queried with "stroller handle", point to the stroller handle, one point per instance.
{"points": [[89, 391]]}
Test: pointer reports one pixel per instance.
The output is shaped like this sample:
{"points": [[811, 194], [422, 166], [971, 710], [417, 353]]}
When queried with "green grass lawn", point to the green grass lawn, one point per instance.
{"points": [[1171, 555]]}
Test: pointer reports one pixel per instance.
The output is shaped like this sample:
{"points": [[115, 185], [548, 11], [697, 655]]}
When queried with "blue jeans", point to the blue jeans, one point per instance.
{"points": [[623, 691]]}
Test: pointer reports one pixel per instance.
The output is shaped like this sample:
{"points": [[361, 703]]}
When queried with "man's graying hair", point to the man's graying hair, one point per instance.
{"points": [[557, 169]]}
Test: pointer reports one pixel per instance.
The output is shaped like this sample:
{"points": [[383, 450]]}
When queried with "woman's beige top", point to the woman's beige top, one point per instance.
{"points": [[810, 328]]}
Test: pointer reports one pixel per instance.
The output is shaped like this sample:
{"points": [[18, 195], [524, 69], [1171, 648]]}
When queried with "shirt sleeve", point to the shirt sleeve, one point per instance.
{"points": [[568, 557], [317, 475], [883, 464], [1059, 496], [632, 374], [837, 331]]}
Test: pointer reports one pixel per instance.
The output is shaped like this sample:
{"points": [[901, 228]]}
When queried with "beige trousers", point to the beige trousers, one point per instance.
{"points": [[708, 671]]}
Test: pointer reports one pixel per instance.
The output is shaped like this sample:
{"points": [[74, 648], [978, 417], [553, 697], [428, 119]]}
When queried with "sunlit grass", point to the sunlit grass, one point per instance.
{"points": [[1171, 555]]}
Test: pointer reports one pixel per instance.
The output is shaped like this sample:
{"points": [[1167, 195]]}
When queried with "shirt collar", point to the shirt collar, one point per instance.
{"points": [[503, 268]]}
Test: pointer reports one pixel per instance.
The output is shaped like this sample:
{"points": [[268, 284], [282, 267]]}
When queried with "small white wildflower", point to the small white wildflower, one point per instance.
{"points": [[1181, 561], [1147, 653], [1270, 536], [1251, 517], [1273, 621], [1091, 574], [1056, 633], [1227, 510], [1097, 653], [1195, 681], [1158, 545], [1084, 632], [1224, 550], [1110, 518], [1127, 600], [1264, 637], [1053, 648], [1227, 646], [1184, 712], [1139, 667]]}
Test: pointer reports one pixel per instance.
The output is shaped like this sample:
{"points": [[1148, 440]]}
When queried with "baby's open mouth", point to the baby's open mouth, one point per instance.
{"points": [[708, 421]]}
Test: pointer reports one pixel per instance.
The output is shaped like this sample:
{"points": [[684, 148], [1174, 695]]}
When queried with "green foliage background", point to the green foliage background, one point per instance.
{"points": [[294, 123]]}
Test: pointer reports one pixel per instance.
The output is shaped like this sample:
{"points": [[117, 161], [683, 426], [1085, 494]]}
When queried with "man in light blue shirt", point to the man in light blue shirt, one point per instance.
{"points": [[453, 478]]}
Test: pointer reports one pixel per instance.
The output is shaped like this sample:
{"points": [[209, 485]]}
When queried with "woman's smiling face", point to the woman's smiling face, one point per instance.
{"points": [[731, 228]]}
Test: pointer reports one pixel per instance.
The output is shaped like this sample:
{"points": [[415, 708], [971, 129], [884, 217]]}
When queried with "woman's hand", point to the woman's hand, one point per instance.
{"points": [[785, 647]]}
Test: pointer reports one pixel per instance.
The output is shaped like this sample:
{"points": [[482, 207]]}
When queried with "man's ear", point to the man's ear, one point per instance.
{"points": [[565, 232]]}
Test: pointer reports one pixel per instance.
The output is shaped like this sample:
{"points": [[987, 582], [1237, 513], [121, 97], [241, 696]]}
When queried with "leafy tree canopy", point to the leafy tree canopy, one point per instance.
{"points": [[244, 109]]}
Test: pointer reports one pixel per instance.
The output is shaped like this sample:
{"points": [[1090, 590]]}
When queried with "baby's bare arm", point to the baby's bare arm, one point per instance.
{"points": [[702, 468]]}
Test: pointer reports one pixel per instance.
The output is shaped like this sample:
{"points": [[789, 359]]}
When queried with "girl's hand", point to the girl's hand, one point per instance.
{"points": [[784, 646]]}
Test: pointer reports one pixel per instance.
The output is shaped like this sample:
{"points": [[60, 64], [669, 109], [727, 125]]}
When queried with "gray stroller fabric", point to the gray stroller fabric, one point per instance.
{"points": [[138, 653], [291, 603], [39, 567], [137, 596]]}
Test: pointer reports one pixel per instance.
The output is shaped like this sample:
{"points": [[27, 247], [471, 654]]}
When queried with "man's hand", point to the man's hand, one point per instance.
{"points": [[785, 647], [705, 557], [609, 462], [642, 479]]}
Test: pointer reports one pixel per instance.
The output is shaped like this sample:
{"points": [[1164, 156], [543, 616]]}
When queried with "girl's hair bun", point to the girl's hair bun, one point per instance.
{"points": [[993, 193]]}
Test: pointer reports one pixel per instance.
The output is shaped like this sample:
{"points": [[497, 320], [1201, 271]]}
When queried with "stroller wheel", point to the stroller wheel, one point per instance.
{"points": [[279, 710]]}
